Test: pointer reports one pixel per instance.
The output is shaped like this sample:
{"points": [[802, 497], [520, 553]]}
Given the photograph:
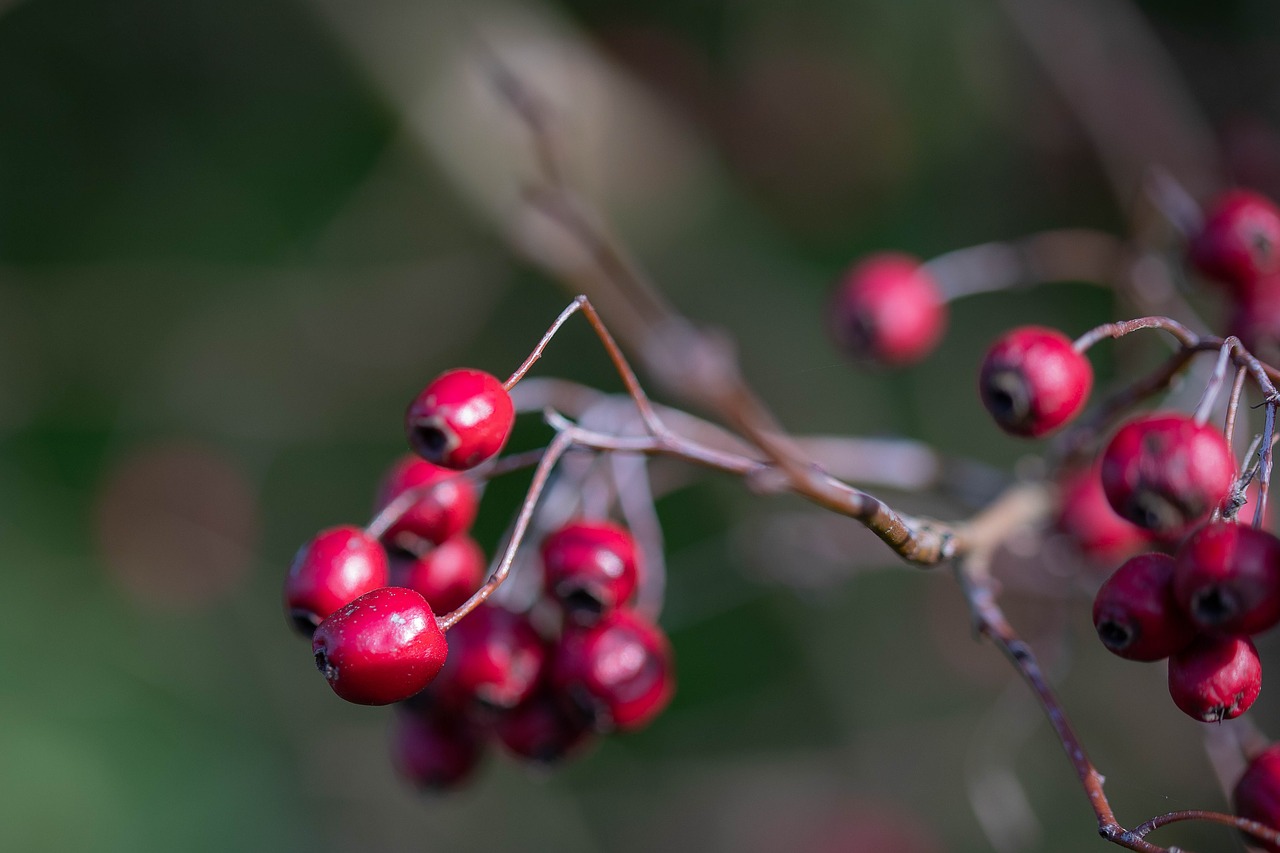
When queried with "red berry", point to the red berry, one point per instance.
{"points": [[1085, 516], [1033, 381], [1165, 472], [590, 568], [888, 309], [1228, 578], [1136, 614], [461, 419], [445, 576], [433, 750], [445, 506], [1256, 317], [542, 728], [1215, 678], [381, 648], [495, 656], [619, 670], [1257, 794], [1240, 240], [336, 567]]}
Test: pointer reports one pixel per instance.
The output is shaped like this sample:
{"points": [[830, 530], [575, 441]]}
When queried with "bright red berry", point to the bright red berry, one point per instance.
{"points": [[445, 576], [1257, 794], [1240, 240], [1085, 516], [461, 419], [888, 309], [1136, 614], [495, 656], [543, 728], [336, 567], [590, 568], [433, 750], [1228, 578], [1165, 472], [1215, 678], [445, 505], [1033, 381], [619, 670], [381, 648]]}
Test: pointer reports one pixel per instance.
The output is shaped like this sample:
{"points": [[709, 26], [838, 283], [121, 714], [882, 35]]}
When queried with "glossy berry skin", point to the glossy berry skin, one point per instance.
{"points": [[887, 309], [461, 419], [445, 576], [1033, 381], [1085, 515], [381, 648], [445, 506], [336, 567], [1240, 240], [619, 671], [1136, 614], [1165, 472], [495, 657], [1215, 678], [434, 751], [1228, 578], [543, 729], [590, 568], [1257, 794]]}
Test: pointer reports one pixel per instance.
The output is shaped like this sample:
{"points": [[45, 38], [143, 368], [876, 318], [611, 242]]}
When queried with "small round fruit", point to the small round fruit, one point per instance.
{"points": [[1165, 472], [1228, 578], [1215, 678], [1085, 515], [887, 309], [1240, 240], [542, 729], [590, 568], [461, 419], [445, 505], [434, 751], [336, 567], [1135, 613], [1033, 381], [445, 576], [495, 657], [381, 648], [1257, 794]]}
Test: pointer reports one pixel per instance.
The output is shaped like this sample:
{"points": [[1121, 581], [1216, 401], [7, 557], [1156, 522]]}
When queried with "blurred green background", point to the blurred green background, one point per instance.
{"points": [[237, 237]]}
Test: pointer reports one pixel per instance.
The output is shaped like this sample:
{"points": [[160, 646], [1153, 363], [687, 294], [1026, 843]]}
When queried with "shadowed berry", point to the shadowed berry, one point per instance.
{"points": [[590, 568], [1165, 472], [495, 657], [434, 751], [445, 576], [445, 502], [461, 419], [336, 567], [1033, 381], [1215, 678], [543, 728], [1240, 240], [1085, 515], [381, 648], [887, 309], [1257, 794], [1228, 578], [1136, 614]]}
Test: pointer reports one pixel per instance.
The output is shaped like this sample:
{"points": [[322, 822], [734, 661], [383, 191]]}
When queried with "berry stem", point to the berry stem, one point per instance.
{"points": [[1210, 396], [1264, 462]]}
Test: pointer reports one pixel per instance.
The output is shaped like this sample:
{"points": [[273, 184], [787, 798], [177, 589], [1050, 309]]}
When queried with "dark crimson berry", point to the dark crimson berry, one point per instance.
{"points": [[381, 648], [1136, 614], [1257, 794], [434, 751], [1256, 317], [445, 576], [1228, 578], [1240, 240], [543, 728], [1215, 678], [619, 670], [1165, 472], [445, 506], [590, 568], [336, 567], [888, 309], [1085, 516], [461, 419], [1033, 381], [495, 656]]}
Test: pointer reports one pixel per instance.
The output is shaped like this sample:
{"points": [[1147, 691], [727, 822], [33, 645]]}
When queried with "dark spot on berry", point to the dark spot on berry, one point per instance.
{"points": [[304, 621], [1153, 511], [583, 605], [1214, 605], [431, 442], [1115, 636], [1007, 397], [322, 664]]}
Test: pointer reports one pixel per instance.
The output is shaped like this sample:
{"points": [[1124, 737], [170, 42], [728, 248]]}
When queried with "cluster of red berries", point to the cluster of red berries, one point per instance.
{"points": [[580, 662]]}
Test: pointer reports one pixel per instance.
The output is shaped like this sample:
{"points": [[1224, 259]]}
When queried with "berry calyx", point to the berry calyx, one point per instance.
{"points": [[1033, 381], [445, 576], [461, 419], [542, 729], [1085, 515], [619, 671], [445, 506], [1228, 578], [590, 568], [1240, 239], [1136, 614], [1165, 472], [434, 750], [888, 309], [336, 567], [495, 657], [1215, 678], [1257, 794], [381, 648]]}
